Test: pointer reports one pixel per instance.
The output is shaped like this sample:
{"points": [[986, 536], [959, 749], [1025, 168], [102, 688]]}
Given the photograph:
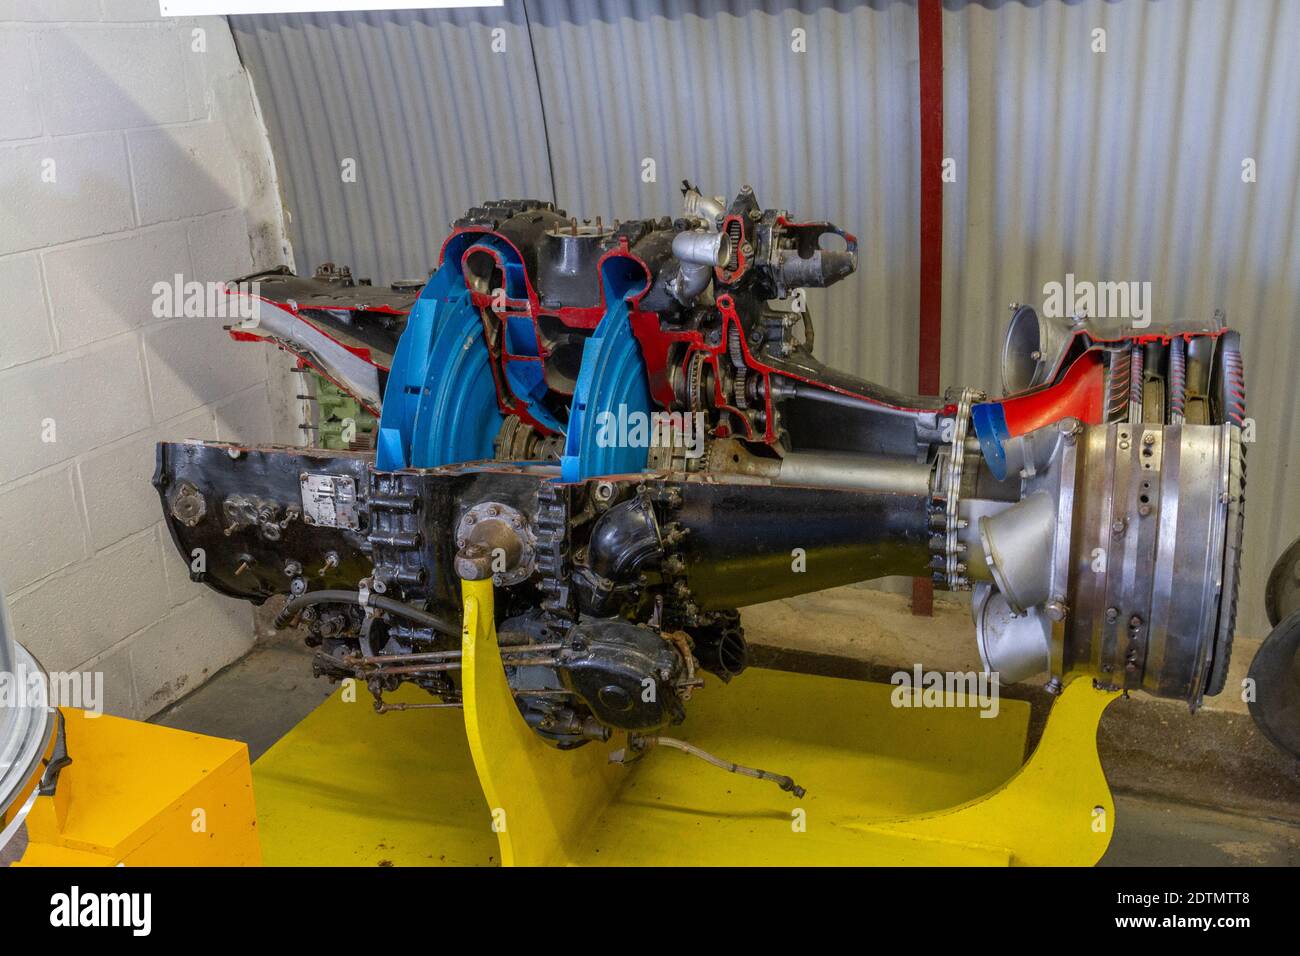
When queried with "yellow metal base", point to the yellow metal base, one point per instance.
{"points": [[886, 785], [350, 787], [144, 795]]}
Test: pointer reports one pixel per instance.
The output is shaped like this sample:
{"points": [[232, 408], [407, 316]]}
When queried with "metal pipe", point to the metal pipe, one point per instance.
{"points": [[507, 651], [698, 252], [360, 671], [376, 601], [652, 740], [825, 469], [792, 388]]}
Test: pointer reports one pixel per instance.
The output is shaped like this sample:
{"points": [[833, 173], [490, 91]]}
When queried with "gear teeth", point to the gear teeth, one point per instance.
{"points": [[739, 385]]}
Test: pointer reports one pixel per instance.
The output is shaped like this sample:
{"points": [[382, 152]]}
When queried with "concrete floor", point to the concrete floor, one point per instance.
{"points": [[1189, 790]]}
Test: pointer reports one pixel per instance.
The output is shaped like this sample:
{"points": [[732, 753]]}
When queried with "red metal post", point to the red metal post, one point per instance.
{"points": [[929, 37]]}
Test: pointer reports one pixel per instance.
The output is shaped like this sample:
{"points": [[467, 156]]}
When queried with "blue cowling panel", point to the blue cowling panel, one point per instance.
{"points": [[990, 423], [440, 404], [613, 380]]}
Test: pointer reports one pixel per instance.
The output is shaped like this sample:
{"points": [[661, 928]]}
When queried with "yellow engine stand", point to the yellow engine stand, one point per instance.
{"points": [[886, 785], [144, 795]]}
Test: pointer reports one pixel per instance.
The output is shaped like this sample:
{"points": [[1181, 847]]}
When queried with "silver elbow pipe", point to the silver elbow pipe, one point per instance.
{"points": [[698, 252], [697, 204]]}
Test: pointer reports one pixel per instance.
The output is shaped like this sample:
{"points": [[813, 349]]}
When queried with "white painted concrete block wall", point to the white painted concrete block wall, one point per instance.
{"points": [[160, 167]]}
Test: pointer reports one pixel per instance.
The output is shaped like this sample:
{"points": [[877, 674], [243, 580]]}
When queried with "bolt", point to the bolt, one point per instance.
{"points": [[1145, 511], [1135, 622], [1118, 526], [1057, 609], [1112, 614], [1053, 686], [1149, 438]]}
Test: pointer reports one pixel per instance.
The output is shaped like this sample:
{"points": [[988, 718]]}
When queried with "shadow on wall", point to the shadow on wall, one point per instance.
{"points": [[148, 162]]}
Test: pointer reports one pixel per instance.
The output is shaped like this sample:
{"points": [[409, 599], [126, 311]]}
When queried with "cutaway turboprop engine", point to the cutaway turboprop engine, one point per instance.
{"points": [[623, 426]]}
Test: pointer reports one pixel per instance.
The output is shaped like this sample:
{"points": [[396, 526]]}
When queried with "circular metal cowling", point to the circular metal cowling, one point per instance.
{"points": [[1032, 349], [26, 726]]}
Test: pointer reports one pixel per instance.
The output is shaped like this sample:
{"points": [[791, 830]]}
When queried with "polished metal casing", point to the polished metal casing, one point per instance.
{"points": [[1154, 557]]}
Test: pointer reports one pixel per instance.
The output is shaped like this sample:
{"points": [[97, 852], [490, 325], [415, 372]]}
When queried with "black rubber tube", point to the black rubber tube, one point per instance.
{"points": [[376, 601]]}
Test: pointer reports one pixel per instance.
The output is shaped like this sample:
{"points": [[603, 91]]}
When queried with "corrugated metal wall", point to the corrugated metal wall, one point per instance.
{"points": [[1117, 165], [438, 121], [432, 118]]}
